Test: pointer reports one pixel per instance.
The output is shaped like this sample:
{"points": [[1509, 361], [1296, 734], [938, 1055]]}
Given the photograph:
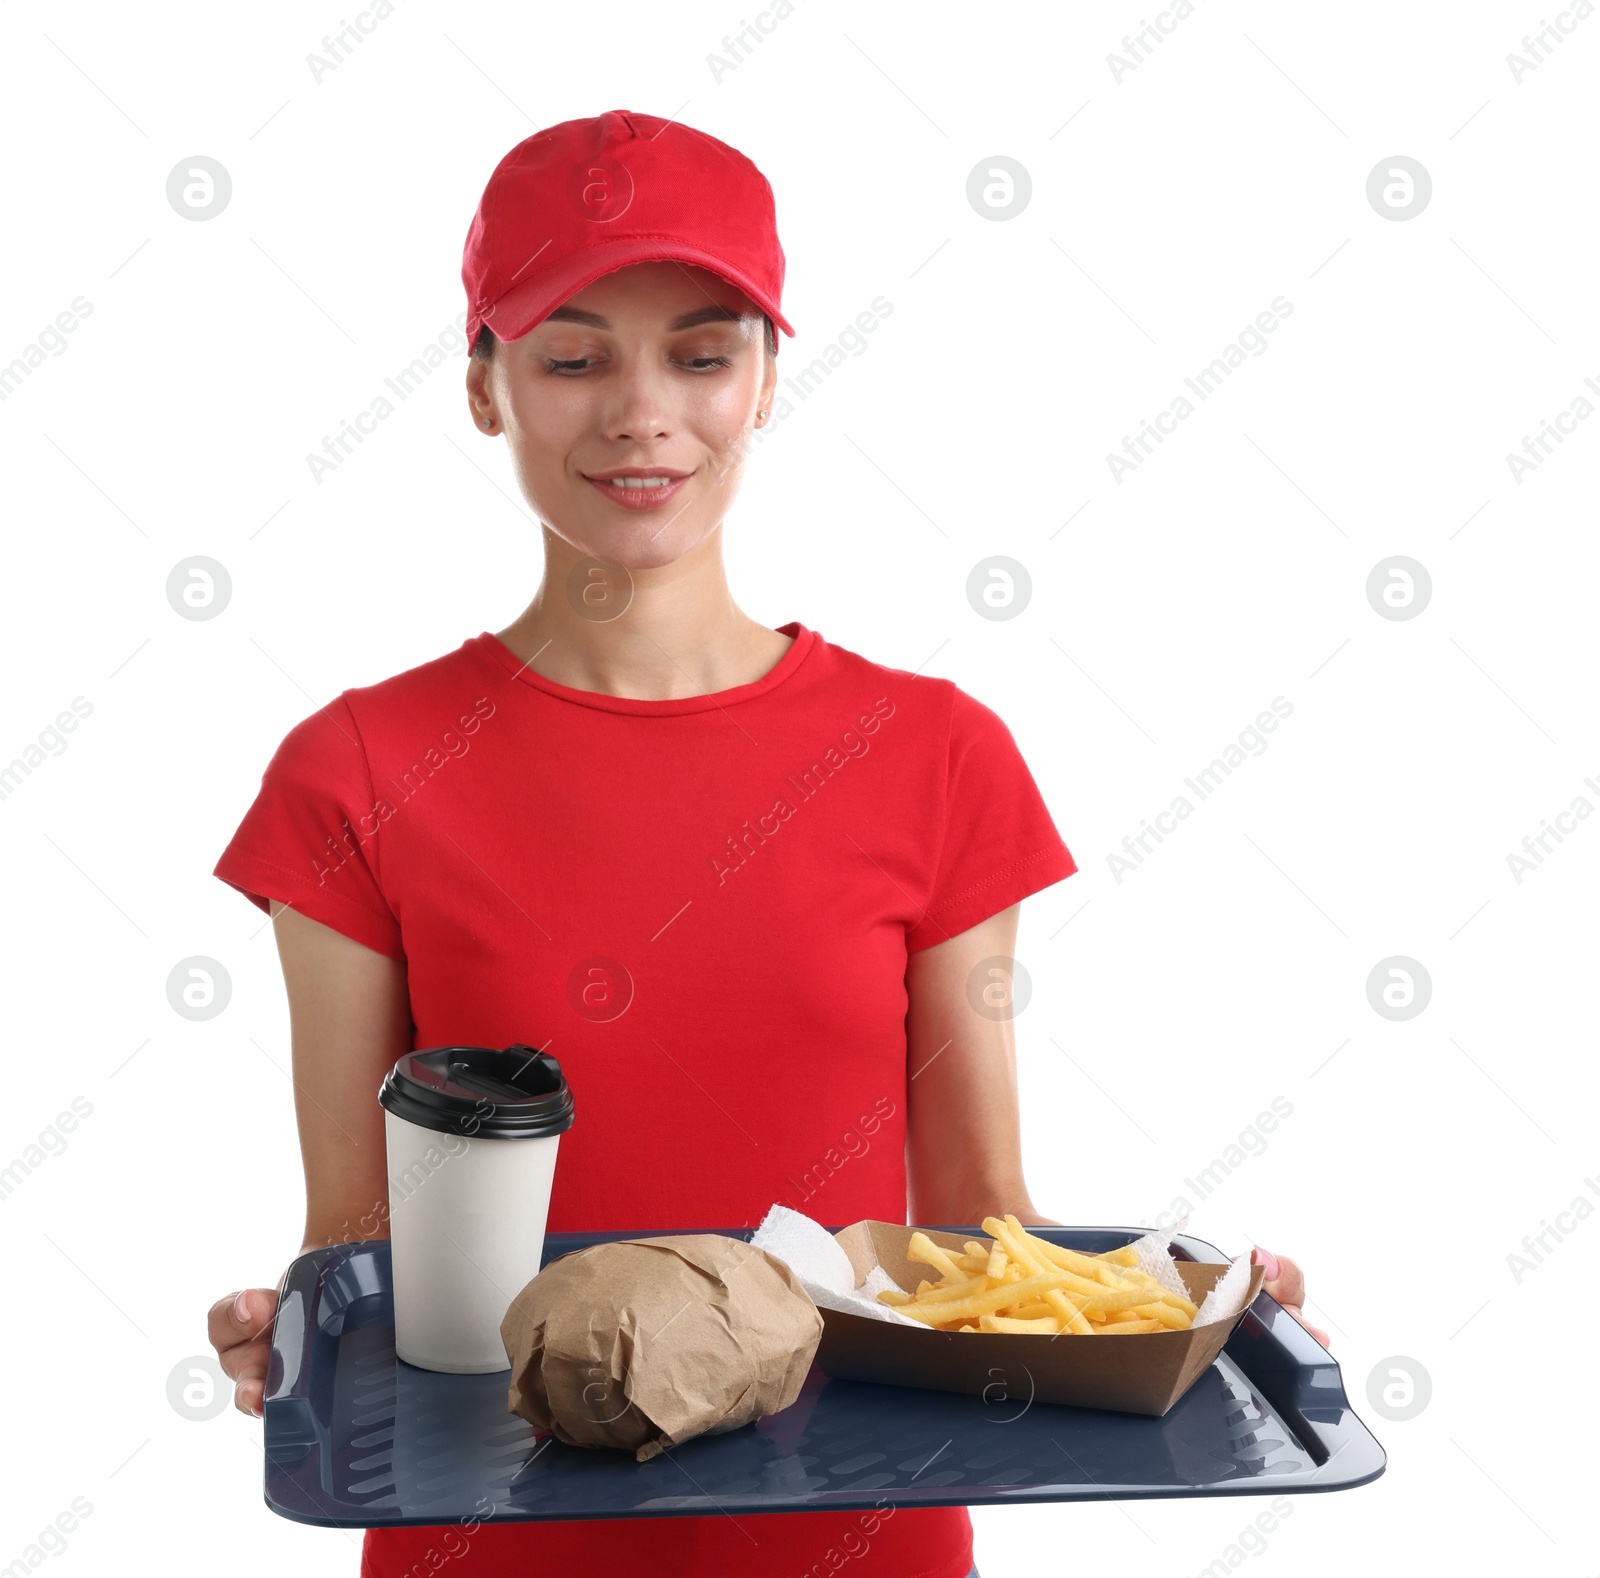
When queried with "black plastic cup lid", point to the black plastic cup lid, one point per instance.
{"points": [[510, 1093]]}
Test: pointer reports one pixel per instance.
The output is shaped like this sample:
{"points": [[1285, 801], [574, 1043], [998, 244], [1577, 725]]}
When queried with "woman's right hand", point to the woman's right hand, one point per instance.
{"points": [[240, 1329]]}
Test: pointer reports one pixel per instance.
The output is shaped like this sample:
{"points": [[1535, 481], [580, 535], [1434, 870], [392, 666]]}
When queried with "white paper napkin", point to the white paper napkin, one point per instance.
{"points": [[1227, 1296], [824, 1270], [1155, 1258], [1226, 1299]]}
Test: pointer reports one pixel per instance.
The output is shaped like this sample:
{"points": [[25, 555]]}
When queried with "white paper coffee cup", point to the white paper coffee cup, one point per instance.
{"points": [[472, 1135]]}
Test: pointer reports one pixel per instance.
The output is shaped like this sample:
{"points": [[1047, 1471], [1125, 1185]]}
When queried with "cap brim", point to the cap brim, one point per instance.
{"points": [[525, 306]]}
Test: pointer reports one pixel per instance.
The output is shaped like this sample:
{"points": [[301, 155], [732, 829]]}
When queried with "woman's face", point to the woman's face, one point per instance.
{"points": [[655, 367]]}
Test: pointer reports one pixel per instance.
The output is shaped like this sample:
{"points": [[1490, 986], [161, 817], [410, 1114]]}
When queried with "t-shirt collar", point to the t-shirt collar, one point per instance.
{"points": [[804, 640]]}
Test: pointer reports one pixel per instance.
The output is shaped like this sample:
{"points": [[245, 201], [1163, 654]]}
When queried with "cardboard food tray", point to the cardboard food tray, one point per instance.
{"points": [[356, 1438], [1141, 1373]]}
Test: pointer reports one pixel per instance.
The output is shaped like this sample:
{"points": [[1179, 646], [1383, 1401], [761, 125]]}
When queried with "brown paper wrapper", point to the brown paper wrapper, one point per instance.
{"points": [[647, 1342]]}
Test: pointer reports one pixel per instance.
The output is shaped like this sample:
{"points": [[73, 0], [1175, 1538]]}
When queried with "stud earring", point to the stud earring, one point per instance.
{"points": [[487, 424]]}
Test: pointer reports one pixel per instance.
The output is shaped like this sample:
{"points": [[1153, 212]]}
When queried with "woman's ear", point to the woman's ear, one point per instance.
{"points": [[480, 402], [769, 385]]}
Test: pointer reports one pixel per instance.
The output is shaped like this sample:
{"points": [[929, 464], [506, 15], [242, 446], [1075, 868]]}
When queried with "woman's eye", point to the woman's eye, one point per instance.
{"points": [[699, 364]]}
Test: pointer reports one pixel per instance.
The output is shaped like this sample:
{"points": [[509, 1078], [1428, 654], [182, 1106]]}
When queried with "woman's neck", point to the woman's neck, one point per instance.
{"points": [[656, 634]]}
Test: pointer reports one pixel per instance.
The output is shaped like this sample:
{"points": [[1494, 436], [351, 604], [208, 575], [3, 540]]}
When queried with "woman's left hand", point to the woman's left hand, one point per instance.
{"points": [[1285, 1283]]}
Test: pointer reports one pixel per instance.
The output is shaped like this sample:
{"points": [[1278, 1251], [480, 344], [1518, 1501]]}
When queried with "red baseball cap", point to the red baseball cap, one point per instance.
{"points": [[583, 198]]}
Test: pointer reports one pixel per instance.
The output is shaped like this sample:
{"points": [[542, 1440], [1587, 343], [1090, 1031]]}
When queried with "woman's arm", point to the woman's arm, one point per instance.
{"points": [[964, 1136], [349, 1020]]}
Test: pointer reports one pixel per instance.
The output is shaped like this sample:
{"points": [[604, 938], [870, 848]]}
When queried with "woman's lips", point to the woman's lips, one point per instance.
{"points": [[639, 499]]}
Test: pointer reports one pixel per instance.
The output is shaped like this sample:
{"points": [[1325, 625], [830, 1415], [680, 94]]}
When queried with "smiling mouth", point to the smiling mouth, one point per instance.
{"points": [[639, 491]]}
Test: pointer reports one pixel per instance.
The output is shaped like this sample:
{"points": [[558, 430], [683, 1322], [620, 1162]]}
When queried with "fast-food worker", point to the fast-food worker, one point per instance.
{"points": [[740, 880]]}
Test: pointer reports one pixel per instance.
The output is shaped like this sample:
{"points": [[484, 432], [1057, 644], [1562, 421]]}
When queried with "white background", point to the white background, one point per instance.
{"points": [[1171, 1003]]}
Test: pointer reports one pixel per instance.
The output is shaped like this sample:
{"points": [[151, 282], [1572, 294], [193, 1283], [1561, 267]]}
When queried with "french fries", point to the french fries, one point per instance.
{"points": [[1019, 1282]]}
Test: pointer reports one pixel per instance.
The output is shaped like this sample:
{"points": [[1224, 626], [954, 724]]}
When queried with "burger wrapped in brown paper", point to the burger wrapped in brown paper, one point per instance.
{"points": [[647, 1342]]}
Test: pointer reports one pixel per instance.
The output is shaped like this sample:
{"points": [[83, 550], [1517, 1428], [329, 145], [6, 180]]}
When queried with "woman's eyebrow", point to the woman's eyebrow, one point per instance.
{"points": [[689, 320]]}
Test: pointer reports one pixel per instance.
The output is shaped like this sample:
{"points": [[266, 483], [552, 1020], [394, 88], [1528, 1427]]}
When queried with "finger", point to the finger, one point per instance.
{"points": [[1283, 1277], [250, 1378], [240, 1319], [1316, 1331]]}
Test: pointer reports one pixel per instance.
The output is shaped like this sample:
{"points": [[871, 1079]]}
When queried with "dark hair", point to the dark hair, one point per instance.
{"points": [[483, 346]]}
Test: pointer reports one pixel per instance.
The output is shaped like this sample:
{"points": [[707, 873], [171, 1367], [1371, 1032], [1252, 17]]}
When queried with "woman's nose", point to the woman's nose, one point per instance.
{"points": [[640, 414]]}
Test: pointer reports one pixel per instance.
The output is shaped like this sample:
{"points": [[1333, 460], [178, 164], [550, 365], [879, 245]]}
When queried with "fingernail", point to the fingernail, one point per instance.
{"points": [[241, 1310], [1267, 1261], [256, 1411]]}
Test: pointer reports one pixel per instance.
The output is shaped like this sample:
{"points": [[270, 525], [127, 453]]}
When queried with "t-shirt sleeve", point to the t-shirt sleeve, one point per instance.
{"points": [[310, 837], [998, 842]]}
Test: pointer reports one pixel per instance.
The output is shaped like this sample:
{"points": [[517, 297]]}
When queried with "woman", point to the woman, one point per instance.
{"points": [[739, 880]]}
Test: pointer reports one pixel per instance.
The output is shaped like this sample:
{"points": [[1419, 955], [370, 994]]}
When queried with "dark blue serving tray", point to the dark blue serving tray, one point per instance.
{"points": [[356, 1438]]}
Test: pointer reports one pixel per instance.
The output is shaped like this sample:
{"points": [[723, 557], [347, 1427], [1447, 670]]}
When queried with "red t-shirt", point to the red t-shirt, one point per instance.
{"points": [[703, 908]]}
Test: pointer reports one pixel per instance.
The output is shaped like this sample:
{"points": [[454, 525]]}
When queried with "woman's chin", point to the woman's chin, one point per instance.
{"points": [[640, 545]]}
